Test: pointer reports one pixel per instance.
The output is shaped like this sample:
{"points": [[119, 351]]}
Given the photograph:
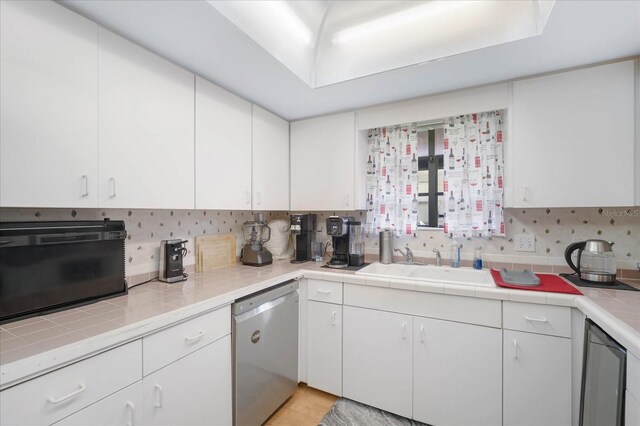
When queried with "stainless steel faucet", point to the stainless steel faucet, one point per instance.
{"points": [[408, 256], [438, 258]]}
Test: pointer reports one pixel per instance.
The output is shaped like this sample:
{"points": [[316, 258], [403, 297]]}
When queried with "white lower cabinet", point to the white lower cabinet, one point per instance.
{"points": [[194, 390], [324, 346], [122, 408], [537, 379], [378, 359], [457, 376]]}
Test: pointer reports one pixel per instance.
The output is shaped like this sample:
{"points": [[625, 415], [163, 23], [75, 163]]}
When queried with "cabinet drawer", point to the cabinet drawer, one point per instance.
{"points": [[122, 408], [325, 291], [542, 319], [54, 396], [169, 345]]}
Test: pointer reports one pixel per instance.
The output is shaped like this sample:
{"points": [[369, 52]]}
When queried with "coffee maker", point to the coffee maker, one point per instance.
{"points": [[172, 252], [347, 240], [303, 227]]}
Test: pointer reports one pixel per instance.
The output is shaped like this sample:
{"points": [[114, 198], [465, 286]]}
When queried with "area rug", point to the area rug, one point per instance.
{"points": [[346, 412]]}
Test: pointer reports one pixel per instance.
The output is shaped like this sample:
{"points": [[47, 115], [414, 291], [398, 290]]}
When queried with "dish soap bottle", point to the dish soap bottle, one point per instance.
{"points": [[477, 258]]}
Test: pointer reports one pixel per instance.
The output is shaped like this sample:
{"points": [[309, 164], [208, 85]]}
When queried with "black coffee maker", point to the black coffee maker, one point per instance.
{"points": [[338, 229], [303, 227]]}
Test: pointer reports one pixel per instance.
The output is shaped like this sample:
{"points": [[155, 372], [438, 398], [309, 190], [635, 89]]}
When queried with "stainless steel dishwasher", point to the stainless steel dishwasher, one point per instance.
{"points": [[265, 358]]}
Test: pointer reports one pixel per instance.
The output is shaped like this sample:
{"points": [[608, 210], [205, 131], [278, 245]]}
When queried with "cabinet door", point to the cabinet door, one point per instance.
{"points": [[48, 107], [323, 163], [377, 359], [324, 343], [223, 149], [195, 390], [145, 128], [573, 138], [270, 161], [122, 408], [457, 373], [537, 379]]}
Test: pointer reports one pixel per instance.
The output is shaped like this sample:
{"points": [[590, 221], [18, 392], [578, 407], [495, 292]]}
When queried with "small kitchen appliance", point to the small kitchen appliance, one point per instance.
{"points": [[48, 266], [303, 227], [356, 244], [256, 233], [172, 253], [596, 261], [338, 230]]}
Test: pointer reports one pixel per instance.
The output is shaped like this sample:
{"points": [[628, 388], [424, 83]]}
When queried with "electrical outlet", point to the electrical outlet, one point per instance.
{"points": [[524, 242]]}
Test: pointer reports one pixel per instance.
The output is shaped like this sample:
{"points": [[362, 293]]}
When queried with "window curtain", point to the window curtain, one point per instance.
{"points": [[392, 179], [473, 175]]}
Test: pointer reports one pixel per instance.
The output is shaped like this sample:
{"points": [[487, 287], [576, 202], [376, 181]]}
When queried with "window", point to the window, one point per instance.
{"points": [[430, 175]]}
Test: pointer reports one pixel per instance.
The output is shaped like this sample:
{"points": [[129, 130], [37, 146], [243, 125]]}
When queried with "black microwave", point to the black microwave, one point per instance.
{"points": [[48, 266]]}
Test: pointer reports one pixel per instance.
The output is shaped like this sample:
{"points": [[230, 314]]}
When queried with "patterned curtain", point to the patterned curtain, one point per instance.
{"points": [[473, 170], [392, 179]]}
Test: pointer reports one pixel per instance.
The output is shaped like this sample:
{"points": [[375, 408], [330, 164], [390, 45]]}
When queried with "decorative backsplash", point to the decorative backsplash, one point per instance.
{"points": [[146, 228], [554, 230]]}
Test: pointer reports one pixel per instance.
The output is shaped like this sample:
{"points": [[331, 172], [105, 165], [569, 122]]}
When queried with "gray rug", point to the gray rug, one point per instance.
{"points": [[346, 412]]}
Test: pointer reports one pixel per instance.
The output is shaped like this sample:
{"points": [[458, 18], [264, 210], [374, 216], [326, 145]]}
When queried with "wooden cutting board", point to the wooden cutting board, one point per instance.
{"points": [[215, 251]]}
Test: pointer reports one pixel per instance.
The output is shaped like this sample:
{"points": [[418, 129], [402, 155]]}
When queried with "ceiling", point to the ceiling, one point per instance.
{"points": [[196, 36]]}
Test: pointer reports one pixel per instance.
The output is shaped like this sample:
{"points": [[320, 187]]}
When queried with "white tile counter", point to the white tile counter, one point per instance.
{"points": [[37, 345]]}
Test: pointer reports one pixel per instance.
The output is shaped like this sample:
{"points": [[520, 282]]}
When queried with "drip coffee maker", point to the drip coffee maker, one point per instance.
{"points": [[338, 229], [256, 233]]}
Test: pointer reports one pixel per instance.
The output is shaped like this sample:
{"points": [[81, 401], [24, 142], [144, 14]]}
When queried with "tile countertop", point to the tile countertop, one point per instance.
{"points": [[33, 346]]}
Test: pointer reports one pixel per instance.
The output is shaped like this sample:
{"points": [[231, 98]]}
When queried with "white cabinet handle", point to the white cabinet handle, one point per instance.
{"points": [[113, 187], [422, 333], [259, 198], [323, 291], [196, 337], [348, 199], [528, 318], [132, 414], [247, 196], [158, 403], [515, 349], [333, 318], [404, 331], [85, 180], [77, 392], [524, 193]]}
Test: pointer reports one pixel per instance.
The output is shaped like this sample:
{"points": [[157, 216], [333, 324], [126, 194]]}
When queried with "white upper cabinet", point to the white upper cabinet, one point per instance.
{"points": [[270, 161], [323, 163], [145, 116], [48, 136], [573, 139], [223, 149]]}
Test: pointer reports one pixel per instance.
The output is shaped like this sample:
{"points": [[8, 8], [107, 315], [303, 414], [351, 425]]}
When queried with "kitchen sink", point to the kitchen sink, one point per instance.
{"points": [[439, 274]]}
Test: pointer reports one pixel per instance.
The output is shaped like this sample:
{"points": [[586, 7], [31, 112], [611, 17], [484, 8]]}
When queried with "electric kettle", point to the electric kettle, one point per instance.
{"points": [[596, 261]]}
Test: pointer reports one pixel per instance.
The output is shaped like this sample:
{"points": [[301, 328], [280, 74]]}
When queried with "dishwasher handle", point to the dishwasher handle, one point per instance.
{"points": [[266, 306]]}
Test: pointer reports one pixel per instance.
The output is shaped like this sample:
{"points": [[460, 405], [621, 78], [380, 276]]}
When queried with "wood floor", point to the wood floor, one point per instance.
{"points": [[306, 407]]}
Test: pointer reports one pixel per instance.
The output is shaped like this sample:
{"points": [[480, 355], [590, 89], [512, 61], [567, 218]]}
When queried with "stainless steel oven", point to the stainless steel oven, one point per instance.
{"points": [[603, 379], [46, 266]]}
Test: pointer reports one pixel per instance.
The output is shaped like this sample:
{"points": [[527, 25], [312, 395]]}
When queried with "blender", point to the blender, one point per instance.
{"points": [[256, 233]]}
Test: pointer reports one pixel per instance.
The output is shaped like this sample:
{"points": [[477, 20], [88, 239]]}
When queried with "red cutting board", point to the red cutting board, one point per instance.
{"points": [[548, 282]]}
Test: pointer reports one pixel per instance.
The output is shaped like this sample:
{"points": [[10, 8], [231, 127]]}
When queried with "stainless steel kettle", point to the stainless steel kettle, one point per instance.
{"points": [[596, 260]]}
